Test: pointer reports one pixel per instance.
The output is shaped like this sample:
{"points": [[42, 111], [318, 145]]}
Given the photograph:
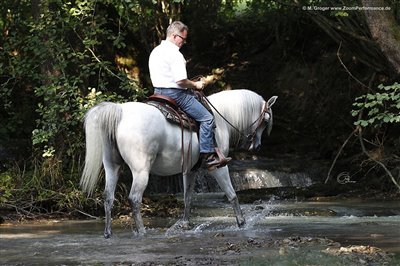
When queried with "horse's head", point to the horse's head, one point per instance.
{"points": [[242, 116], [264, 122]]}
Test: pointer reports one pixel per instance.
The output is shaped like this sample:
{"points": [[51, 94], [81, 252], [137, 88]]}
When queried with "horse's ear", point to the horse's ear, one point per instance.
{"points": [[272, 100]]}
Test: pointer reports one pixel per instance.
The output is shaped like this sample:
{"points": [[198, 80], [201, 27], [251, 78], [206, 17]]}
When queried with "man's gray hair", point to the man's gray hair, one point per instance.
{"points": [[176, 27]]}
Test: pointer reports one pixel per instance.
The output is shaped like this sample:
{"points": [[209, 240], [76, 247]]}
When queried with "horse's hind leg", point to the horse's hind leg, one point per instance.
{"points": [[111, 171], [139, 183]]}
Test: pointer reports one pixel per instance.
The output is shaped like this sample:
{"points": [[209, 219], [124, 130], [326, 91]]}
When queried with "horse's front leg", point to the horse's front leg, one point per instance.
{"points": [[238, 212], [188, 185], [224, 181]]}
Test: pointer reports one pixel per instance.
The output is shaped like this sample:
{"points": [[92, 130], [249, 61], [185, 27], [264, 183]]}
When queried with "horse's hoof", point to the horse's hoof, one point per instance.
{"points": [[241, 223], [141, 233], [107, 235], [138, 232], [185, 225]]}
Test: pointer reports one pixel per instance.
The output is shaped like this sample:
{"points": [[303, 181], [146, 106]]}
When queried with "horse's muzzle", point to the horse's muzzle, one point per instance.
{"points": [[255, 147]]}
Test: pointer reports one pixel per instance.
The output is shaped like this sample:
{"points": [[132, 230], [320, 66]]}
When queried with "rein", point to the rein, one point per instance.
{"points": [[249, 137]]}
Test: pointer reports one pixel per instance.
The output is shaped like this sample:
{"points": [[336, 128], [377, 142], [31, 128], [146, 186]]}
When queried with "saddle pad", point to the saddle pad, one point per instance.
{"points": [[175, 116]]}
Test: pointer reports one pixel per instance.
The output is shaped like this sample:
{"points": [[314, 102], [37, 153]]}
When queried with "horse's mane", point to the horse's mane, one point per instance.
{"points": [[240, 107]]}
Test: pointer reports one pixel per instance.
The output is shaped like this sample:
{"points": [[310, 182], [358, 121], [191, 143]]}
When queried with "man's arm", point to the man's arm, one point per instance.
{"points": [[187, 83]]}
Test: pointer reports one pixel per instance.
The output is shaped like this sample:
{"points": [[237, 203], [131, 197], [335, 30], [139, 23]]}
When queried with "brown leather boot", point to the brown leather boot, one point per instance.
{"points": [[215, 160]]}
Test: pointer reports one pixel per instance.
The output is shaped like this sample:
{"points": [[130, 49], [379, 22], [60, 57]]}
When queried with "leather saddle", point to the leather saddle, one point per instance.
{"points": [[170, 109]]}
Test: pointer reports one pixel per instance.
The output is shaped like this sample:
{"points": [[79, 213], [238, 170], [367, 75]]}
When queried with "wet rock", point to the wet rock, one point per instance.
{"points": [[259, 207], [364, 254], [253, 243], [283, 251], [219, 235], [232, 248], [303, 240], [304, 212]]}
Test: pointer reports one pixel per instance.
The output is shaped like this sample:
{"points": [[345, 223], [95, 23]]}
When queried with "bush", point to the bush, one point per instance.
{"points": [[378, 108]]}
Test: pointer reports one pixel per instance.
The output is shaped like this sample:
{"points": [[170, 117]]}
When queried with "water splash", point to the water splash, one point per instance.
{"points": [[201, 227]]}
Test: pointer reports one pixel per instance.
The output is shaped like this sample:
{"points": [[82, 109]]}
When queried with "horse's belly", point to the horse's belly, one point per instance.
{"points": [[164, 169], [170, 162]]}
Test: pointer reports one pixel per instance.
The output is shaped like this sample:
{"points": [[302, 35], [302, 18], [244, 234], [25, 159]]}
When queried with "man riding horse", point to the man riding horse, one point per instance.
{"points": [[168, 74], [139, 135]]}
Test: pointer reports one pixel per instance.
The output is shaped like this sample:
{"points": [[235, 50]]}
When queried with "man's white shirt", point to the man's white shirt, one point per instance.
{"points": [[167, 65]]}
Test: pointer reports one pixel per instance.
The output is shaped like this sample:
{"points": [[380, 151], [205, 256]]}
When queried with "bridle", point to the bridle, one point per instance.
{"points": [[265, 110], [243, 136]]}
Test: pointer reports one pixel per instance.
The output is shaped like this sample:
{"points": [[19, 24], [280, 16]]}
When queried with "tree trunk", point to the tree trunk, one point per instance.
{"points": [[384, 30]]}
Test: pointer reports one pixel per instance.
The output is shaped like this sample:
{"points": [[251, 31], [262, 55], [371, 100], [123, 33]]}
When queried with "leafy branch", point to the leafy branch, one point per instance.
{"points": [[380, 107]]}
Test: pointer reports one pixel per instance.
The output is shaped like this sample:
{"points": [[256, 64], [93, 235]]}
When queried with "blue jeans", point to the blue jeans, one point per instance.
{"points": [[190, 105]]}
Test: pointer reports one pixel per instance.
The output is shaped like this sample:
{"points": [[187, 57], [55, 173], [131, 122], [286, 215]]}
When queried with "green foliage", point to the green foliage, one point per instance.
{"points": [[378, 108], [6, 186], [58, 54], [58, 59]]}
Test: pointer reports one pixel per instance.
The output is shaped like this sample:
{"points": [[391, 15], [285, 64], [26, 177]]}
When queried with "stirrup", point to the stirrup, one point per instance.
{"points": [[217, 162]]}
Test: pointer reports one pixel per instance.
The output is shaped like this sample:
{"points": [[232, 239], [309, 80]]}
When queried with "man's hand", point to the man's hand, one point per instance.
{"points": [[199, 85], [187, 83]]}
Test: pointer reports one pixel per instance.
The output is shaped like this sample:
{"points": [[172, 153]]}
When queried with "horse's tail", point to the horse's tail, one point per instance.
{"points": [[101, 123]]}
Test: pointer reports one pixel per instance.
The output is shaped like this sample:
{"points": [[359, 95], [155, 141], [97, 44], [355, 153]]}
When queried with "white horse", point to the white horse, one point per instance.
{"points": [[139, 135]]}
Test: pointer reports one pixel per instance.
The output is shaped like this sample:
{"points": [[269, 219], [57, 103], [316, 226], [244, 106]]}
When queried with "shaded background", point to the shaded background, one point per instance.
{"points": [[59, 58]]}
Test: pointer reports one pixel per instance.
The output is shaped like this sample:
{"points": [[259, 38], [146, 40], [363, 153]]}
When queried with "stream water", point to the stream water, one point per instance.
{"points": [[277, 233]]}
